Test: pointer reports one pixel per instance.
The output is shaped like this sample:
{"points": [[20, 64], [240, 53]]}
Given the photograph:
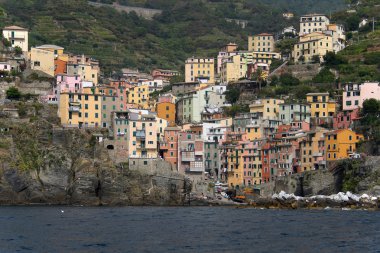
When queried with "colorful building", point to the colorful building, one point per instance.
{"points": [[312, 155], [294, 112], [81, 109], [321, 105], [355, 94], [341, 144], [165, 74], [200, 70], [232, 69], [42, 58], [166, 110], [169, 146], [139, 96], [311, 45], [263, 42], [269, 108], [191, 156]]}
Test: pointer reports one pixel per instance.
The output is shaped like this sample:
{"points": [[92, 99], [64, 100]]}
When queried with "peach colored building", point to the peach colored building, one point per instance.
{"points": [[169, 146]]}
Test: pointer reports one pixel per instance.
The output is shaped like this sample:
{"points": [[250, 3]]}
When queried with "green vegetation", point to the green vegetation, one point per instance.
{"points": [[360, 60], [185, 28], [324, 76], [13, 93], [235, 109]]}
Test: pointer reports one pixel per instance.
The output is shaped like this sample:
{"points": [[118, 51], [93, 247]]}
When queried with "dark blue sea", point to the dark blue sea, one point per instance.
{"points": [[187, 229]]}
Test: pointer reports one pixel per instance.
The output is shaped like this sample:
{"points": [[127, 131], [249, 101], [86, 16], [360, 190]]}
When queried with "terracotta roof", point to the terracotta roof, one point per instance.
{"points": [[15, 27], [265, 34]]}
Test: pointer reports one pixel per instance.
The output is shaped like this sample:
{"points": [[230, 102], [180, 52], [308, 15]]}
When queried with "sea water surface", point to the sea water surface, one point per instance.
{"points": [[186, 229]]}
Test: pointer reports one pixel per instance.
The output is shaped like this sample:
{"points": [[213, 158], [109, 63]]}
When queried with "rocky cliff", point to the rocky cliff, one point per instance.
{"points": [[357, 176], [40, 163]]}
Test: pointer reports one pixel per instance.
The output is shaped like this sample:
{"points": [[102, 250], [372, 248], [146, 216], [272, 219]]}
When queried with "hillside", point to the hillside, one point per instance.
{"points": [[184, 28], [360, 61]]}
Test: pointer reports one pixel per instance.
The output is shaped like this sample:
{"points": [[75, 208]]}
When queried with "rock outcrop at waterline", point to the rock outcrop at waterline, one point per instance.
{"points": [[44, 166]]}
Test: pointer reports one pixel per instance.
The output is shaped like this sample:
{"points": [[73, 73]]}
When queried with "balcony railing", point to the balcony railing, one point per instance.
{"points": [[74, 109], [140, 134]]}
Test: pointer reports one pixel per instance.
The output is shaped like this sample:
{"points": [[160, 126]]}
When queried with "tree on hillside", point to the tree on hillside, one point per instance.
{"points": [[324, 76], [371, 107], [315, 59], [13, 93], [18, 50], [232, 94], [177, 79], [332, 60], [288, 79]]}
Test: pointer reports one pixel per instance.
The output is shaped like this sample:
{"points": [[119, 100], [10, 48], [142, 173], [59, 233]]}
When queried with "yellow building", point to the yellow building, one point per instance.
{"points": [[341, 143], [313, 44], [253, 132], [235, 166], [139, 95], [87, 72], [263, 42], [81, 109], [200, 69], [42, 58], [269, 108], [311, 149], [321, 105], [233, 68]]}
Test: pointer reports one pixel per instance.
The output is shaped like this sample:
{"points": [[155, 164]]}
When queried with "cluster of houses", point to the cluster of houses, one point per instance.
{"points": [[187, 127]]}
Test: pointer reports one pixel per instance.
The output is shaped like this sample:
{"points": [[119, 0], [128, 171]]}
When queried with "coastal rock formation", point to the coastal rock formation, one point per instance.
{"points": [[44, 164]]}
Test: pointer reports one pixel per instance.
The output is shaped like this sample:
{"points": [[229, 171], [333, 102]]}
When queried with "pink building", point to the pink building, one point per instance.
{"points": [[355, 94], [344, 119], [66, 83], [5, 66], [191, 155], [300, 125], [165, 74], [63, 83]]}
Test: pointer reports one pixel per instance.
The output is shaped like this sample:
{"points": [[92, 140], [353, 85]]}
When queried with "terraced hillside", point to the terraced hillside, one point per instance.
{"points": [[184, 28]]}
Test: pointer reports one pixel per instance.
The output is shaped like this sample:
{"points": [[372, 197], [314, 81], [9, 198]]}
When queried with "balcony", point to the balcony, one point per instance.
{"points": [[140, 134], [188, 156], [142, 147], [74, 109], [164, 146], [195, 169]]}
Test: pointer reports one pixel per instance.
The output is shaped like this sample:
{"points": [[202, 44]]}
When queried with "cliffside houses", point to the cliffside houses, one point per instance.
{"points": [[188, 127]]}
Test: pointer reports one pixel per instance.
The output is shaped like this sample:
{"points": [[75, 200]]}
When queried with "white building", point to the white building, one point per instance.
{"points": [[17, 36], [313, 23], [154, 85]]}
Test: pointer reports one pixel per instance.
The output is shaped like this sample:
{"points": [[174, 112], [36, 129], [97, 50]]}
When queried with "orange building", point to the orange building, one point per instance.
{"points": [[60, 67], [166, 110], [169, 146]]}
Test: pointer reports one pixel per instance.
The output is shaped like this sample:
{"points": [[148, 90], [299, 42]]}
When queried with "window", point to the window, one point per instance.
{"points": [[85, 97], [96, 107], [37, 63], [96, 115], [86, 115]]}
